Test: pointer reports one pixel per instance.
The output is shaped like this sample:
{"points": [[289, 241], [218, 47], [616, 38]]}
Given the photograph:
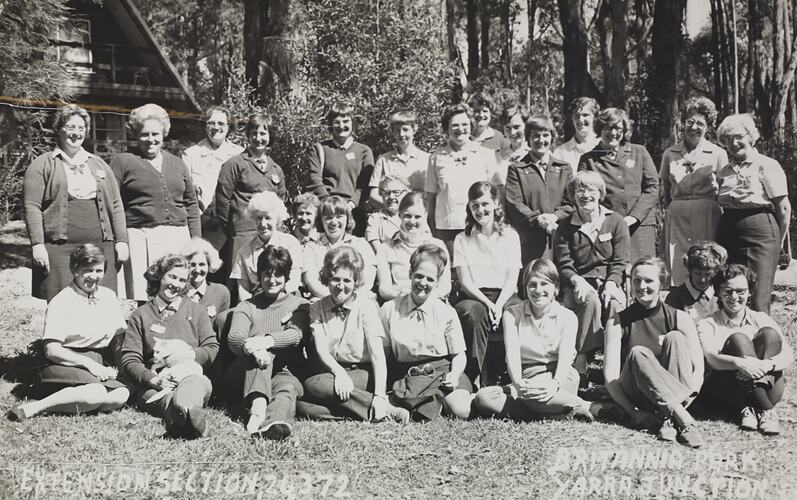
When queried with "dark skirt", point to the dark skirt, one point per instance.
{"points": [[422, 393], [83, 226], [54, 377]]}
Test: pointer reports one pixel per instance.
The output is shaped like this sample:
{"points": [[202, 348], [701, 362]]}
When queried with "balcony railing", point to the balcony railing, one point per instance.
{"points": [[105, 62]]}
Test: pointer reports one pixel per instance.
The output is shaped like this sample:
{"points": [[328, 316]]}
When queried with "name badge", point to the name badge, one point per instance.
{"points": [[211, 311], [157, 328], [605, 237], [275, 178], [629, 163], [349, 155], [100, 174]]}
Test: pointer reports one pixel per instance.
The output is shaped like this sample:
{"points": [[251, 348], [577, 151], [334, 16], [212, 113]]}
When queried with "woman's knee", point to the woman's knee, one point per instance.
{"points": [[458, 404], [320, 386], [769, 337], [90, 394], [674, 338], [117, 397], [640, 353], [738, 344], [472, 311], [489, 401]]}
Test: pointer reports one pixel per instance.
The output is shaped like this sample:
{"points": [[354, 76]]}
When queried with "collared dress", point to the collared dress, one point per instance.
{"points": [[534, 189], [632, 188], [699, 305], [69, 202], [395, 254], [410, 166], [381, 226], [244, 267], [689, 190], [315, 251], [491, 139]]}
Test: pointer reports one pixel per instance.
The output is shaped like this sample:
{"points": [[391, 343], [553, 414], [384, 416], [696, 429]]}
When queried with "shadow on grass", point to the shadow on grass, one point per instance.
{"points": [[14, 246], [23, 369]]}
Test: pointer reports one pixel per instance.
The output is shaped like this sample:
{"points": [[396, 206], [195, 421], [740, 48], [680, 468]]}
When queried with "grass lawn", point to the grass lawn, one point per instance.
{"points": [[125, 454]]}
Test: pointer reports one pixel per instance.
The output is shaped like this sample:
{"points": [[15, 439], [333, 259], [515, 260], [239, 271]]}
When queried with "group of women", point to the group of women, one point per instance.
{"points": [[353, 310]]}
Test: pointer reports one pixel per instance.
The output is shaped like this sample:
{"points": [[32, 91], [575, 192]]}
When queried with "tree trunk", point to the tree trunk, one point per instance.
{"points": [[472, 29], [507, 23], [451, 30], [668, 44], [575, 47], [270, 48], [485, 13], [760, 36], [531, 12], [615, 84]]}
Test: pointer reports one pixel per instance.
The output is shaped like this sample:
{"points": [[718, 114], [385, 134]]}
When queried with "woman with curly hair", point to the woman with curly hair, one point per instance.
{"points": [[689, 186], [487, 261], [203, 260], [183, 330]]}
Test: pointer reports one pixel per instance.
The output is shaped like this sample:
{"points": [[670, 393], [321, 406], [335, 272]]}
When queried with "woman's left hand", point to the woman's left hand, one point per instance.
{"points": [[450, 381], [122, 251], [496, 311]]}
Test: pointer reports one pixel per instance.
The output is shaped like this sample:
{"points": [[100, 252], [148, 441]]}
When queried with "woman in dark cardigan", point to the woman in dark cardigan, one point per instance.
{"points": [[159, 197], [71, 198]]}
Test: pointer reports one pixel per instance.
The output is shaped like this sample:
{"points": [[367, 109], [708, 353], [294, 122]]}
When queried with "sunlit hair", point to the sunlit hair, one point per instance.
{"points": [[86, 255], [266, 202], [727, 273], [481, 100], [201, 246], [586, 179], [610, 117], [453, 110], [705, 256], [541, 268], [65, 113], [276, 260], [404, 117], [580, 104], [257, 120], [412, 199], [342, 257], [432, 253], [305, 200], [334, 205], [339, 108], [386, 180], [655, 262], [148, 112], [743, 120], [476, 191], [154, 274], [231, 124], [510, 112], [700, 106], [540, 122]]}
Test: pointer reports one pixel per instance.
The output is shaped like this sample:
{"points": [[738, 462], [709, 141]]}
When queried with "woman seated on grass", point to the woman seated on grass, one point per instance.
{"points": [[204, 259], [348, 358], [746, 352], [81, 331], [487, 261], [426, 342], [183, 327], [696, 295], [335, 222], [266, 336], [393, 266], [591, 253], [540, 342], [653, 364]]}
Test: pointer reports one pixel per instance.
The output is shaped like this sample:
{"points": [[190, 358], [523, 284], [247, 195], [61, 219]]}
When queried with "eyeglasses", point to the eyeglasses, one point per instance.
{"points": [[730, 292], [734, 137], [216, 124], [619, 127], [692, 122], [426, 369], [75, 128], [393, 192]]}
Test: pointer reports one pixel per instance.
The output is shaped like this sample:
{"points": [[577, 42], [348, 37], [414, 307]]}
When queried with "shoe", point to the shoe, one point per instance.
{"points": [[276, 431], [255, 422], [748, 419], [667, 431], [196, 422], [607, 411], [400, 415], [581, 413], [768, 423], [690, 436], [17, 414]]}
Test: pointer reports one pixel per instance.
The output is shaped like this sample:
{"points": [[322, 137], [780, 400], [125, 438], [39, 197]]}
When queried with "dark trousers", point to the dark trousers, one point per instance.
{"points": [[319, 391], [752, 238], [192, 391], [477, 328], [275, 383], [725, 391]]}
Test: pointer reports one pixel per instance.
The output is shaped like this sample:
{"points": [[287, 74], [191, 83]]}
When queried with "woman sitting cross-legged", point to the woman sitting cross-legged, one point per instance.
{"points": [[487, 261], [202, 260], [746, 352], [540, 342], [266, 336], [348, 357], [172, 330], [653, 363], [426, 343], [80, 332]]}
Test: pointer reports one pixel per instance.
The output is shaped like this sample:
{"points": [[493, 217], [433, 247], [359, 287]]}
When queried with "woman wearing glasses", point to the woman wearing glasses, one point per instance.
{"points": [[71, 198], [426, 343], [689, 186], [632, 184]]}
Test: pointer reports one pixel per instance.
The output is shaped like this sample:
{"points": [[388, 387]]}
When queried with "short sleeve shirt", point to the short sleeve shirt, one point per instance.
{"points": [[381, 226], [410, 166], [488, 257], [347, 330], [570, 152], [81, 322], [692, 174], [540, 338], [396, 253], [418, 332], [716, 329], [450, 175], [751, 184], [244, 269], [205, 163], [314, 251]]}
